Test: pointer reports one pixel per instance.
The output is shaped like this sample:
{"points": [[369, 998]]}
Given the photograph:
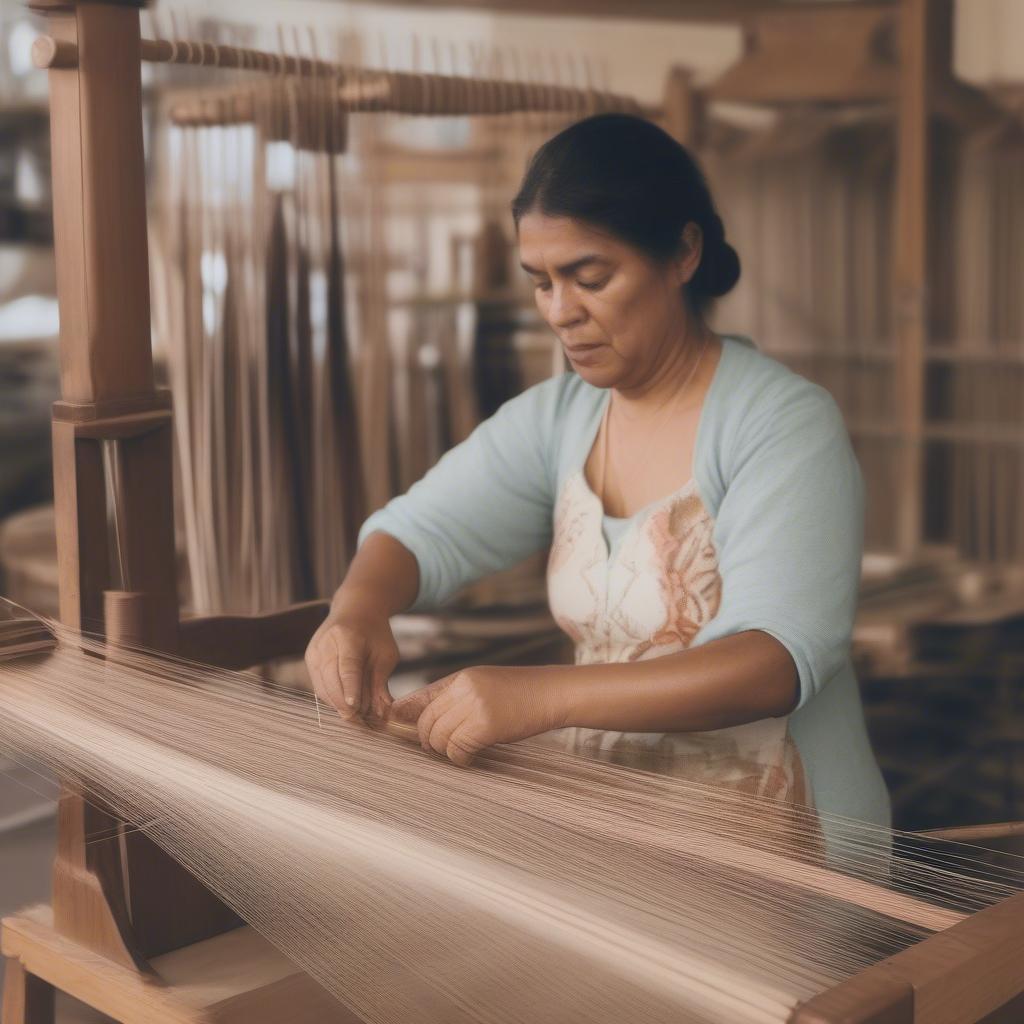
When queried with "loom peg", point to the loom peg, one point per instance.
{"points": [[50, 53]]}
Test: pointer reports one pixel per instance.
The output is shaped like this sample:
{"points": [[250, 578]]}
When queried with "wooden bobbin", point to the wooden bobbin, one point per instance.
{"points": [[128, 615]]}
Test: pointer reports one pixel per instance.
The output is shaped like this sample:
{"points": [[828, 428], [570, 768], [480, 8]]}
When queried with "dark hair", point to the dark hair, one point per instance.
{"points": [[626, 175]]}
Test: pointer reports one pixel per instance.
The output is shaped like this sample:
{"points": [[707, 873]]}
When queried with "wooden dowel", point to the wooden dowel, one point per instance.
{"points": [[367, 89], [390, 92], [164, 51], [976, 833], [358, 88], [48, 52]]}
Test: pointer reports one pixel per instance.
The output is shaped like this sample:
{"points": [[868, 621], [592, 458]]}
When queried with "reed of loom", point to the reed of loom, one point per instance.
{"points": [[131, 933]]}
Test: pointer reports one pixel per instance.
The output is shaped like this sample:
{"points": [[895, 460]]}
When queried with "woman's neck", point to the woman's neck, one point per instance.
{"points": [[677, 370]]}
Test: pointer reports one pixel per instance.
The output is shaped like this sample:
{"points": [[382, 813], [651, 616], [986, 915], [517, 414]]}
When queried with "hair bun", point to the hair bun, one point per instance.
{"points": [[725, 270]]}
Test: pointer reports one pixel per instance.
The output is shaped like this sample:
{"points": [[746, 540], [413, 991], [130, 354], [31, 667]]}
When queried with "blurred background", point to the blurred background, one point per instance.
{"points": [[339, 302]]}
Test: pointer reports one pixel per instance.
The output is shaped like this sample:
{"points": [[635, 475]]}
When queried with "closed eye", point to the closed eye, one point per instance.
{"points": [[594, 286]]}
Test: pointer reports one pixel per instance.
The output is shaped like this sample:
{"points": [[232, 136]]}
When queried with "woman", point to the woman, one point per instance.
{"points": [[702, 503]]}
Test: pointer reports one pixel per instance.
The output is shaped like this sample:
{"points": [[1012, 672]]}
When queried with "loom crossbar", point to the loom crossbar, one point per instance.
{"points": [[360, 88]]}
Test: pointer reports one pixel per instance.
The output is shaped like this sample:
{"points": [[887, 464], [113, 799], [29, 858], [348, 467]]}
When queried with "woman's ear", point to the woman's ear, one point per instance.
{"points": [[690, 251]]}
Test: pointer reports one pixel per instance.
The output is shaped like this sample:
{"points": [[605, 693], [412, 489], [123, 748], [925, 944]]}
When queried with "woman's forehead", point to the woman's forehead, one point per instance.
{"points": [[561, 240]]}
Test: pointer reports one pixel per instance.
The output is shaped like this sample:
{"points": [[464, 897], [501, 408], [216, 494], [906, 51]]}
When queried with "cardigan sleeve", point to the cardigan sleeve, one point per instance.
{"points": [[789, 532], [485, 506]]}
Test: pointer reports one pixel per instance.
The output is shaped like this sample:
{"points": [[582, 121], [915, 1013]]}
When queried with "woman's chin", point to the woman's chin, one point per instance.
{"points": [[600, 375], [595, 366]]}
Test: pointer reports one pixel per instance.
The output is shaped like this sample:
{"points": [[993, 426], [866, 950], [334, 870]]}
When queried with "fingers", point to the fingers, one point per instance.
{"points": [[462, 746], [412, 706], [350, 668], [336, 671], [444, 722], [366, 691], [435, 734], [321, 662], [451, 734], [439, 705], [350, 671], [382, 699]]}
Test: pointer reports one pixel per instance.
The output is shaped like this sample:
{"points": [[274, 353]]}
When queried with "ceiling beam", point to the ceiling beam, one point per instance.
{"points": [[660, 10]]}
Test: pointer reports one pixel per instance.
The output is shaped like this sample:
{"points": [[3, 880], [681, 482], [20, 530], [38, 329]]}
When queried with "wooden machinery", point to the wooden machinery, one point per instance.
{"points": [[131, 933], [124, 901]]}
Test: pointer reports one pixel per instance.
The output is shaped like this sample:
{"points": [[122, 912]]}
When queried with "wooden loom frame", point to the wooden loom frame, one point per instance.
{"points": [[125, 913]]}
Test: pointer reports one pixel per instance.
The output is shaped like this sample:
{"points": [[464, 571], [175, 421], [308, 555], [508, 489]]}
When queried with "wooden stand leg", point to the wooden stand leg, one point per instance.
{"points": [[27, 999]]}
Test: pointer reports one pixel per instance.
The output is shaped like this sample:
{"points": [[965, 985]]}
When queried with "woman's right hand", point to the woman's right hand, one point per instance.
{"points": [[350, 659]]}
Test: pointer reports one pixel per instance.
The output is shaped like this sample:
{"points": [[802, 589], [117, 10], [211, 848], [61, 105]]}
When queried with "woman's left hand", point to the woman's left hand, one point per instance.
{"points": [[473, 709]]}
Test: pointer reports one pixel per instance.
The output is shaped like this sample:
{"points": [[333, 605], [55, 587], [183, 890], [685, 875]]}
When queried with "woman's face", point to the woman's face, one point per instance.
{"points": [[618, 313]]}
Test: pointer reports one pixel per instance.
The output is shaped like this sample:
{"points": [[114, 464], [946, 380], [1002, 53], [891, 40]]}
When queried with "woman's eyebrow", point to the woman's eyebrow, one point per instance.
{"points": [[569, 268]]}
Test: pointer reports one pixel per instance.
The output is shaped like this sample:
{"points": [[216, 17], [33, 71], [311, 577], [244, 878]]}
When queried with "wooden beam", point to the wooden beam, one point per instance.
{"points": [[924, 26], [867, 998], [683, 109], [813, 56], [124, 906], [960, 975], [233, 978], [27, 999], [658, 10], [99, 206], [240, 641]]}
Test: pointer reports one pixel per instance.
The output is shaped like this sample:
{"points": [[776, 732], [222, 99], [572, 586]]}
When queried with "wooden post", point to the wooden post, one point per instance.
{"points": [[683, 108], [27, 999], [925, 37], [909, 265], [123, 897]]}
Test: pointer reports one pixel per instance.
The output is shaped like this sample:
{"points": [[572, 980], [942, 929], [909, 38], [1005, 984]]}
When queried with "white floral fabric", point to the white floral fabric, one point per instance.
{"points": [[647, 597]]}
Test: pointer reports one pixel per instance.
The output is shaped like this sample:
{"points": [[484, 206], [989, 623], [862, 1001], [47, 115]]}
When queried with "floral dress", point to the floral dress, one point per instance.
{"points": [[645, 596]]}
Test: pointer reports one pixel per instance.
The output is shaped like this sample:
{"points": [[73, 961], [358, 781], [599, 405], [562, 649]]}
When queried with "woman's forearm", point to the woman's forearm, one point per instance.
{"points": [[731, 681], [383, 579]]}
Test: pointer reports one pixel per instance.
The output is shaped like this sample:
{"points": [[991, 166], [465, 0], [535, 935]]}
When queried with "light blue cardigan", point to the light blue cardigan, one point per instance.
{"points": [[775, 470]]}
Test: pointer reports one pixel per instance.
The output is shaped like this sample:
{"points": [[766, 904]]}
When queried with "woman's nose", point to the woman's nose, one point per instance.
{"points": [[565, 309]]}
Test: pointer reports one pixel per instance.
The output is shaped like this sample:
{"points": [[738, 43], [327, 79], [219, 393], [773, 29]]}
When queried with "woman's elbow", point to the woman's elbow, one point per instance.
{"points": [[779, 691]]}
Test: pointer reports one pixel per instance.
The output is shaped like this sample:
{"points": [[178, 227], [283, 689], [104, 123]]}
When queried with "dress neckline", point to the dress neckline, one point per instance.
{"points": [[726, 342], [640, 513]]}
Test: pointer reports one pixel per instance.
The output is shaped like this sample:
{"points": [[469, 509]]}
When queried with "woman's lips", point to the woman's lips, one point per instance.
{"points": [[583, 353]]}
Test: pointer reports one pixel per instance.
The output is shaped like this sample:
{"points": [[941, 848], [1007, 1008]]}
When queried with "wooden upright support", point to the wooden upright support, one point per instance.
{"points": [[27, 998], [125, 916], [121, 896], [910, 268], [684, 108], [926, 48]]}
